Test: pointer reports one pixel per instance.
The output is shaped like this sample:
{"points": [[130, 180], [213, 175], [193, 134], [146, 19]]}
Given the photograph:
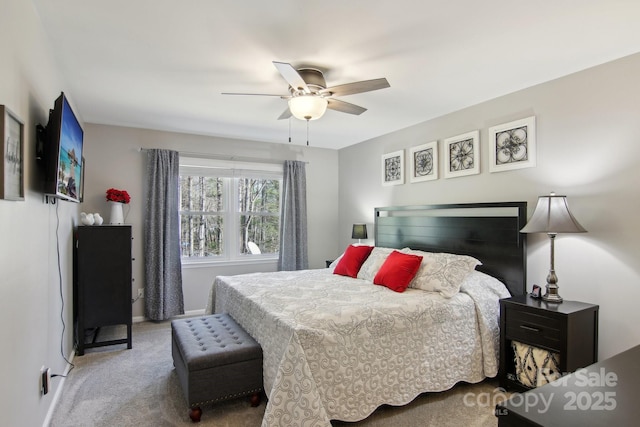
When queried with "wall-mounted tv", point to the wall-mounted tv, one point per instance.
{"points": [[63, 152]]}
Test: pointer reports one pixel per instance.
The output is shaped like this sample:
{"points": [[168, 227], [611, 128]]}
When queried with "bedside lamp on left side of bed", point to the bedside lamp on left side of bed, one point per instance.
{"points": [[359, 232]]}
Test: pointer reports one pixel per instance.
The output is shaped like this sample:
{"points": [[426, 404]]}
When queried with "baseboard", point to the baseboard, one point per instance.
{"points": [[190, 313], [56, 396]]}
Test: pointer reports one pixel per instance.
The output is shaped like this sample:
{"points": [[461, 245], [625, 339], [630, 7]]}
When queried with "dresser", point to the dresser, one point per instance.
{"points": [[569, 329], [101, 284]]}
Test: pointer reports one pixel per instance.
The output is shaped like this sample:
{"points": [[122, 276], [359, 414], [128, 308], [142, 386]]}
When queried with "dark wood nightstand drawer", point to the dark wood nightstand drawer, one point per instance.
{"points": [[534, 329]]}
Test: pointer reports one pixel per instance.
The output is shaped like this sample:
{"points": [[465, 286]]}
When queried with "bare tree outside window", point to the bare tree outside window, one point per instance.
{"points": [[216, 209], [259, 210]]}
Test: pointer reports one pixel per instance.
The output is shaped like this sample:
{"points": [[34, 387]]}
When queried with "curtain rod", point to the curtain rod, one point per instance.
{"points": [[224, 157]]}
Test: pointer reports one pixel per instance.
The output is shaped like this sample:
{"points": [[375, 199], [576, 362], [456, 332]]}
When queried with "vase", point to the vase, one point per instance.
{"points": [[117, 216]]}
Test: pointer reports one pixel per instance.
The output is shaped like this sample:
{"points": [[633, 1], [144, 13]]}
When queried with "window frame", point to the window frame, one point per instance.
{"points": [[231, 173]]}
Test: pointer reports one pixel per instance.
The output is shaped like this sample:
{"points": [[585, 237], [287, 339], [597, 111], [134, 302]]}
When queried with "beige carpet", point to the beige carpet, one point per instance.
{"points": [[112, 386]]}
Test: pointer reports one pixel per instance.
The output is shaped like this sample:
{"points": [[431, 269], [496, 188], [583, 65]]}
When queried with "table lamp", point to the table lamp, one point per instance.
{"points": [[359, 232], [552, 216]]}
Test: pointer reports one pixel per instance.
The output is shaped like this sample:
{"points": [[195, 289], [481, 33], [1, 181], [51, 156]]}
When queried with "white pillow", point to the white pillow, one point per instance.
{"points": [[370, 268], [335, 262], [442, 272]]}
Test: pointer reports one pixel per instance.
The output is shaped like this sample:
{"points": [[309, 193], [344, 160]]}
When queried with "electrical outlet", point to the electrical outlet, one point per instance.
{"points": [[45, 380], [140, 292]]}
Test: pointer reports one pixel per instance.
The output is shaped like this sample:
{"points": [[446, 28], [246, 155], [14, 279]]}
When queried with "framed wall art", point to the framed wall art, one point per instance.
{"points": [[393, 168], [513, 145], [423, 162], [462, 155], [12, 165]]}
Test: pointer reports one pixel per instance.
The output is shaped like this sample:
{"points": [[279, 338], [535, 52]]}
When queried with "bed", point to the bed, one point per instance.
{"points": [[337, 347]]}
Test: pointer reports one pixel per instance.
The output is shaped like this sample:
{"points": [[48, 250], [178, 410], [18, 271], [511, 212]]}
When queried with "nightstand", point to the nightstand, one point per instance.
{"points": [[569, 329]]}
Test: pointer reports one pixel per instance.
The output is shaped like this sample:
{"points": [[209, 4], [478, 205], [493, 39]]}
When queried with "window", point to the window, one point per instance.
{"points": [[259, 213], [226, 205]]}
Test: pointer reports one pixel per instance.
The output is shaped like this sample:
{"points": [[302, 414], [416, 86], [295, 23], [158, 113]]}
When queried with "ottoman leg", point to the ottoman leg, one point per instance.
{"points": [[255, 400], [195, 414]]}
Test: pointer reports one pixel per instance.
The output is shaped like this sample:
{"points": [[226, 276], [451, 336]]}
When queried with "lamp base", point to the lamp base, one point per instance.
{"points": [[552, 294]]}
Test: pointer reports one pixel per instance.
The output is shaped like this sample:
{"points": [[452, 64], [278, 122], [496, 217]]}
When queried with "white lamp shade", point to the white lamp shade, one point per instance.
{"points": [[308, 107], [552, 215]]}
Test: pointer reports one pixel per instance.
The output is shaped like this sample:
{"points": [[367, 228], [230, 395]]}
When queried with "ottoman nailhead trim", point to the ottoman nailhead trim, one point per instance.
{"points": [[228, 396]]}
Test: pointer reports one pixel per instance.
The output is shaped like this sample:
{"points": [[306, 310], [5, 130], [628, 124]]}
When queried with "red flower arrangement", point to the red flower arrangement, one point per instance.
{"points": [[120, 196]]}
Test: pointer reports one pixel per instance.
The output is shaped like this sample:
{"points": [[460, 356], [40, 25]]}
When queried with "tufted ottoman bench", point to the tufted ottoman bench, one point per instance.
{"points": [[215, 359]]}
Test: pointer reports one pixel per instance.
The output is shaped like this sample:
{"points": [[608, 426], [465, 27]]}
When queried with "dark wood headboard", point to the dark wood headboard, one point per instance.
{"points": [[489, 232]]}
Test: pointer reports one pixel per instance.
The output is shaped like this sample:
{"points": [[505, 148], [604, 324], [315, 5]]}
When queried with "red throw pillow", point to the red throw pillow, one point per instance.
{"points": [[352, 260], [397, 271]]}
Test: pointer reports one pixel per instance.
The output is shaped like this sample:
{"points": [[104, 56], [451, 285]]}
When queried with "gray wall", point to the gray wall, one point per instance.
{"points": [[588, 138], [113, 160], [31, 280]]}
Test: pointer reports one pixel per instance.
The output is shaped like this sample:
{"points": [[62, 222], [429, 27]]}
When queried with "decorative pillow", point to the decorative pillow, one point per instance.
{"points": [[397, 271], [373, 263], [352, 260], [442, 272]]}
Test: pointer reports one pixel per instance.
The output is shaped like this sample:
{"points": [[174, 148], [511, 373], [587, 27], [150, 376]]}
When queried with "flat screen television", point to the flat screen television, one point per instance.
{"points": [[63, 152]]}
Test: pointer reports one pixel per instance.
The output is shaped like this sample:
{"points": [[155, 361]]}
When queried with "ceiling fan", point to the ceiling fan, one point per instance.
{"points": [[309, 97]]}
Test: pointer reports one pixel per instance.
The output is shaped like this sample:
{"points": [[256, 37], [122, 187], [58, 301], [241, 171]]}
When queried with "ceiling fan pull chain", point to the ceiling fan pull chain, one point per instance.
{"points": [[307, 132], [289, 130]]}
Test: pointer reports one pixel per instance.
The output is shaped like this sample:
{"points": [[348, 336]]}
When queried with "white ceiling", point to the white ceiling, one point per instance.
{"points": [[162, 64]]}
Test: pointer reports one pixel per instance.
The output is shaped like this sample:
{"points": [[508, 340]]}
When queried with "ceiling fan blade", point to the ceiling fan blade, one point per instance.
{"points": [[357, 87], [257, 94], [345, 107], [285, 114], [292, 76]]}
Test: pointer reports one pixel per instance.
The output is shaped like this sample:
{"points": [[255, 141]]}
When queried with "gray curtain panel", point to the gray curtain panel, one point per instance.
{"points": [[293, 218], [163, 272]]}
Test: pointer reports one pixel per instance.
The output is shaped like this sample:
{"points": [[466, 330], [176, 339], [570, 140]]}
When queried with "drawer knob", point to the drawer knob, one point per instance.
{"points": [[530, 328]]}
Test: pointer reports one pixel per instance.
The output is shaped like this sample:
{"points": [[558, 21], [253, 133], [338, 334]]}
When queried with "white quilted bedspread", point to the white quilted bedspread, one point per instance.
{"points": [[337, 348]]}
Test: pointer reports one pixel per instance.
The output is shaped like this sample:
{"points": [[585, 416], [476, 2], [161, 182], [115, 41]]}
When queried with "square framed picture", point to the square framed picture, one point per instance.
{"points": [[423, 162], [12, 165], [513, 145], [393, 168], [462, 155]]}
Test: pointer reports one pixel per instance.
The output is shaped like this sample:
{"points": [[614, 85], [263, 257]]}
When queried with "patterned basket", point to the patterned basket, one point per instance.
{"points": [[535, 366]]}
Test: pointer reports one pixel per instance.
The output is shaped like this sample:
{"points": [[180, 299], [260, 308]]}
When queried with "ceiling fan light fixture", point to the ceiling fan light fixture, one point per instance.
{"points": [[308, 107]]}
